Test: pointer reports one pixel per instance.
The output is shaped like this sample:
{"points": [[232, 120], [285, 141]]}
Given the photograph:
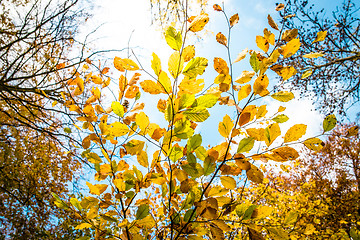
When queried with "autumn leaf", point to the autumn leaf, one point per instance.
{"points": [[291, 48], [123, 64], [244, 92], [271, 133], [195, 67], [156, 64], [245, 77], [225, 126], [329, 122], [228, 182], [220, 38], [295, 132], [313, 55], [320, 36], [221, 66], [188, 53], [97, 189], [314, 144], [254, 174], [272, 23], [217, 8], [241, 55], [173, 38], [262, 43], [199, 22], [234, 19], [283, 96], [245, 145]]}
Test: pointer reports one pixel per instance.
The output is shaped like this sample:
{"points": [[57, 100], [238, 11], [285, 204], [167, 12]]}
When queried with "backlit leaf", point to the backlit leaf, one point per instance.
{"points": [[272, 23], [289, 34], [175, 64], [313, 55], [142, 212], [329, 122], [244, 92], [83, 225], [245, 145], [290, 48], [142, 120], [254, 174], [245, 77], [306, 73], [195, 67], [96, 189], [234, 19], [225, 126], [207, 100], [260, 85], [283, 96], [118, 129], [188, 53], [151, 87], [254, 62], [220, 38], [320, 36], [173, 38], [314, 144], [295, 133], [196, 114], [241, 55], [221, 66], [228, 182], [123, 64], [271, 133], [280, 118], [117, 108], [156, 64], [262, 43], [165, 82], [199, 22]]}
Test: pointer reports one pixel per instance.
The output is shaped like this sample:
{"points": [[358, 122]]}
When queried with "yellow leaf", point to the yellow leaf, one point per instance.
{"points": [[221, 66], [191, 86], [220, 38], [142, 159], [314, 144], [118, 129], [272, 23], [260, 85], [241, 55], [283, 154], [217, 191], [257, 133], [97, 189], [270, 37], [217, 7], [83, 225], [132, 92], [199, 22], [313, 55], [117, 108], [287, 72], [320, 36], [120, 184], [290, 48], [283, 96], [263, 211], [352, 131], [245, 77], [175, 64], [271, 133], [188, 53], [123, 64], [254, 174], [225, 126], [156, 64], [244, 92], [142, 120], [228, 182], [165, 82], [295, 132], [151, 87], [262, 43], [234, 19]]}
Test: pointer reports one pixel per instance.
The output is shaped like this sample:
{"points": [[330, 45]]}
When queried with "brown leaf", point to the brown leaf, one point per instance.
{"points": [[272, 23], [220, 38], [279, 7], [217, 7], [234, 19]]}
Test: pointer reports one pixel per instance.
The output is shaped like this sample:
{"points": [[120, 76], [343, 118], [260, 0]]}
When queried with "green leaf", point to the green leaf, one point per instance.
{"points": [[280, 118], [249, 212], [188, 215], [142, 212], [283, 96], [117, 108], [176, 153], [186, 100], [254, 62], [246, 144], [67, 130], [209, 166], [195, 67], [197, 114], [194, 169], [194, 142], [207, 101], [329, 122], [173, 38]]}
